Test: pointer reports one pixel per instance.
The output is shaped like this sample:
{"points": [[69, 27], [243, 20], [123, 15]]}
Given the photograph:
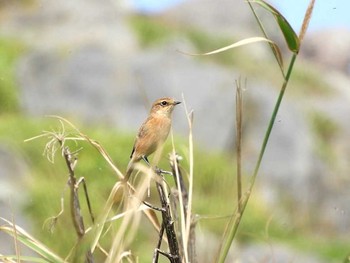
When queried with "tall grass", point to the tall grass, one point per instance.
{"points": [[126, 207]]}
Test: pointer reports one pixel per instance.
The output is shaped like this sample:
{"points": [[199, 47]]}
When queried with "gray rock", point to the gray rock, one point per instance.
{"points": [[287, 162], [324, 53], [224, 18], [83, 85], [48, 25]]}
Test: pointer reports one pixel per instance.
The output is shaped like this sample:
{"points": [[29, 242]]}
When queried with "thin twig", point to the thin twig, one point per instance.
{"points": [[82, 180], [180, 184], [17, 248], [77, 218], [189, 116], [183, 203], [157, 249], [239, 113], [168, 224], [53, 220], [160, 209]]}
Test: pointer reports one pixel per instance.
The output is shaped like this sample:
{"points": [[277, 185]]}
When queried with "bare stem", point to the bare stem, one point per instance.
{"points": [[239, 113], [168, 224], [77, 218], [182, 189]]}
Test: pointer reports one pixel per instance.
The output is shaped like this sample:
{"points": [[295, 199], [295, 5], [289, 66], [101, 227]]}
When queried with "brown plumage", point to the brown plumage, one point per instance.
{"points": [[153, 132]]}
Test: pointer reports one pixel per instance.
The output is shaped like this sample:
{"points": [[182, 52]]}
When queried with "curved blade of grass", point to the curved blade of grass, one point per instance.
{"points": [[130, 222], [14, 258], [289, 34], [22, 236], [151, 215], [241, 43], [275, 51], [94, 143], [116, 196], [9, 259], [98, 228]]}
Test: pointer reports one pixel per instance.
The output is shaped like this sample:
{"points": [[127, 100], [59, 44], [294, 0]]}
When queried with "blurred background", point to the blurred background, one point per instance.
{"points": [[101, 63]]}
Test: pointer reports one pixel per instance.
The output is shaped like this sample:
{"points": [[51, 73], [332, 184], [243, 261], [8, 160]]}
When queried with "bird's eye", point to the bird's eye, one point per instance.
{"points": [[164, 103]]}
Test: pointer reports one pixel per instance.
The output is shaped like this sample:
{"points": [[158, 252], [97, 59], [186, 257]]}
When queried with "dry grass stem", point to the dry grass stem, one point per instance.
{"points": [[189, 116], [239, 114], [306, 21]]}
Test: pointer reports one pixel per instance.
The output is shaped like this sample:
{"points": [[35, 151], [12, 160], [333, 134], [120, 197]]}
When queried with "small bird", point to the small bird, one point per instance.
{"points": [[152, 133]]}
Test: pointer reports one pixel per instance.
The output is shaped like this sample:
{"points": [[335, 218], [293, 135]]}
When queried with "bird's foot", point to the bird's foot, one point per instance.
{"points": [[160, 171]]}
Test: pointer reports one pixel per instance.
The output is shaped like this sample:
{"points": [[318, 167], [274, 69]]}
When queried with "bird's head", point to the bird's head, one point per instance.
{"points": [[164, 106]]}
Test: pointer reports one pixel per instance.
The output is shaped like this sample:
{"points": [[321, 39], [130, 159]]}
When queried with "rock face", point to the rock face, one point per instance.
{"points": [[84, 62], [84, 85], [48, 25], [224, 18], [329, 48]]}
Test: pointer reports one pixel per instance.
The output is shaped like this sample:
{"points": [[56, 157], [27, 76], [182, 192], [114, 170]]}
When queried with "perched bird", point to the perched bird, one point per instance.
{"points": [[152, 133]]}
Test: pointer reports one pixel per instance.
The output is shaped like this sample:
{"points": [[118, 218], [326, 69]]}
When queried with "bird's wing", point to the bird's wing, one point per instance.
{"points": [[141, 134], [143, 129], [132, 152]]}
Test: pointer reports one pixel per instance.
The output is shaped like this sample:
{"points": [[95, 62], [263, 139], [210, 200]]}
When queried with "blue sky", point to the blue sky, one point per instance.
{"points": [[155, 5], [327, 13]]}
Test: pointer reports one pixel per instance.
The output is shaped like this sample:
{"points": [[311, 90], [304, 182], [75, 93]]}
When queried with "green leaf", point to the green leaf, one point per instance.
{"points": [[240, 43], [244, 42], [22, 236], [289, 35]]}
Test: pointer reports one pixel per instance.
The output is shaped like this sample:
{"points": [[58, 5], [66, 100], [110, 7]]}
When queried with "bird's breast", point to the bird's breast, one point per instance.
{"points": [[153, 134], [162, 127]]}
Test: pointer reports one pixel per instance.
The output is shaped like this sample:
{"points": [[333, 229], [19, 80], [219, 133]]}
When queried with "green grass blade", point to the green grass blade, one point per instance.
{"points": [[235, 221], [274, 48], [22, 236], [289, 34], [273, 117]]}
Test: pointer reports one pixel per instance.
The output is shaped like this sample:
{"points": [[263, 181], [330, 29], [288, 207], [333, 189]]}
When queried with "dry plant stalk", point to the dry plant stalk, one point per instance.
{"points": [[57, 141], [71, 162], [168, 226], [306, 20], [77, 218], [182, 189], [239, 118], [131, 216]]}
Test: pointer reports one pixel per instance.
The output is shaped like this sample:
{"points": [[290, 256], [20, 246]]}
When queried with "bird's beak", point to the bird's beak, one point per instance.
{"points": [[177, 102]]}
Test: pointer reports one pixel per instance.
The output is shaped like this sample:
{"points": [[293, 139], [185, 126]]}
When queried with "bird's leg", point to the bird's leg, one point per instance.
{"points": [[156, 169], [161, 171], [144, 157]]}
